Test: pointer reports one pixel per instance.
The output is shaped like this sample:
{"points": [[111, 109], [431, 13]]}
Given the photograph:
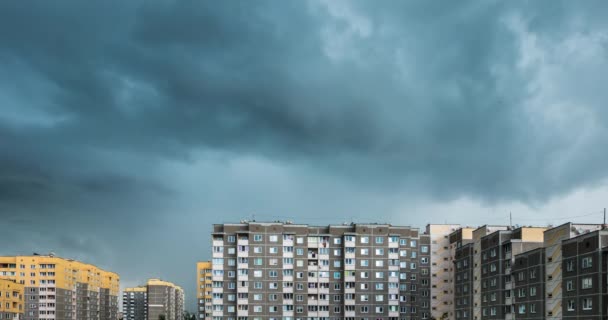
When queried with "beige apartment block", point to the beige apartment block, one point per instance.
{"points": [[442, 282]]}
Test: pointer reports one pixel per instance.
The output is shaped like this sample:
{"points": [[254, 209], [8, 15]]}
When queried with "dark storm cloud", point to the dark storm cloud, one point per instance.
{"points": [[441, 99]]}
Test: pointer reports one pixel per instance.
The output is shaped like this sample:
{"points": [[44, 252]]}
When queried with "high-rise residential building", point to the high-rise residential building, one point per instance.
{"points": [[294, 271], [461, 241], [478, 235], [528, 290], [584, 274], [442, 282], [498, 251], [135, 303], [11, 300], [530, 272], [203, 289], [553, 264], [156, 300], [62, 289]]}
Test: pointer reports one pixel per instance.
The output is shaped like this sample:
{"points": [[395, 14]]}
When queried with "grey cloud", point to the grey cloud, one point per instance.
{"points": [[427, 99]]}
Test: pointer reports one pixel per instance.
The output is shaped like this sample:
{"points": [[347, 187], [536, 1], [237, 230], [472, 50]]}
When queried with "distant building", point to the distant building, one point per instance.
{"points": [[135, 303], [156, 300], [62, 289], [11, 300]]}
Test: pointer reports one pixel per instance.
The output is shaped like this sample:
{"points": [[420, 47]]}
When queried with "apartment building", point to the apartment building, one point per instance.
{"points": [[528, 293], [442, 281], [135, 303], [56, 288], [498, 251], [553, 263], [584, 274], [295, 271], [156, 300], [203, 289], [11, 300], [461, 241]]}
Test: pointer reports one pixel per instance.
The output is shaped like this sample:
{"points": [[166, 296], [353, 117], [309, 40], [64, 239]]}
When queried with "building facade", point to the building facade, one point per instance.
{"points": [[528, 277], [553, 263], [461, 244], [291, 271], [442, 275], [135, 303], [11, 300], [157, 300], [203, 289], [584, 271], [62, 289], [498, 251]]}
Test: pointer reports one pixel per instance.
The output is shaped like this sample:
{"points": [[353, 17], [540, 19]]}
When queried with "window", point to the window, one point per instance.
{"points": [[424, 249], [522, 308], [532, 293], [337, 241], [587, 283], [569, 285], [413, 243], [364, 239], [273, 238], [257, 249], [273, 250], [587, 304], [570, 265], [571, 305], [379, 240], [587, 262], [379, 251], [257, 237], [231, 238]]}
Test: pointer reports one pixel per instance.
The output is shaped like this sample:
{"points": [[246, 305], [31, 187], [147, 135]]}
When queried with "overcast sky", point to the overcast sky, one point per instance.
{"points": [[127, 128]]}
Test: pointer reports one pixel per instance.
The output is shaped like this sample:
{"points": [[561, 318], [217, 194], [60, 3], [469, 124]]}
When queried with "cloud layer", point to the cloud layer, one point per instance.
{"points": [[125, 123]]}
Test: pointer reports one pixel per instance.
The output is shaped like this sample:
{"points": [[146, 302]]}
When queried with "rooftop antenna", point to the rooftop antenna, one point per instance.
{"points": [[511, 220], [604, 216]]}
